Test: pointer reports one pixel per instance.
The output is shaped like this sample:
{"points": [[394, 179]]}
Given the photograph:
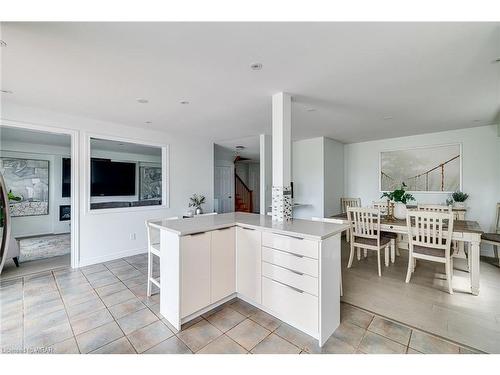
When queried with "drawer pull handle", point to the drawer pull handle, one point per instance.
{"points": [[296, 272], [287, 235], [295, 255], [288, 286]]}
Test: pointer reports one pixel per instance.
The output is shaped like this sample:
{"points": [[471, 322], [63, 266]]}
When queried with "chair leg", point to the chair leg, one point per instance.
{"points": [[449, 273], [351, 256], [359, 253], [16, 261], [386, 255], [365, 253], [393, 250], [410, 268], [495, 250], [150, 273], [378, 262], [347, 235]]}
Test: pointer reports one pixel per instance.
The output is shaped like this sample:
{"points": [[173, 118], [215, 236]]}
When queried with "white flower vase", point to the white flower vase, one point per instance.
{"points": [[400, 210], [459, 204]]}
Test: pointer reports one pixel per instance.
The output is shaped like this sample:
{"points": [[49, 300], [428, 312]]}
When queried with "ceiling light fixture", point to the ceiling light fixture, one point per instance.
{"points": [[311, 109], [2, 43], [256, 66], [142, 100], [148, 122], [497, 59], [239, 148], [6, 92], [184, 102], [388, 117]]}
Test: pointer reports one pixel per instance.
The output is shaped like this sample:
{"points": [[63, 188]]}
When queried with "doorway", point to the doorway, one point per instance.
{"points": [[37, 165]]}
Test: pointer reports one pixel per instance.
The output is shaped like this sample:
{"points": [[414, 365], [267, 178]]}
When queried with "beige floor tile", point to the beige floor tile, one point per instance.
{"points": [[332, 346], [131, 322], [411, 351], [391, 330], [118, 297], [199, 335], [376, 344], [91, 321], [104, 281], [222, 345], [265, 320], [349, 333], [128, 307], [45, 321], [77, 298], [42, 309], [110, 289], [141, 280], [243, 307], [170, 346], [87, 270], [225, 319], [298, 338], [47, 336], [248, 334], [68, 346], [355, 316], [149, 336], [120, 346], [98, 337], [273, 344], [84, 309], [425, 343]]}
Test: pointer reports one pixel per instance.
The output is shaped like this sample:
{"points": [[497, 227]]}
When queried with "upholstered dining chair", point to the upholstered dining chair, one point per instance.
{"points": [[429, 238], [494, 238], [153, 235], [365, 233]]}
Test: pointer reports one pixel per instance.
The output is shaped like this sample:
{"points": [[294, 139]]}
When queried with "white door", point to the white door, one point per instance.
{"points": [[223, 265], [224, 186], [248, 263]]}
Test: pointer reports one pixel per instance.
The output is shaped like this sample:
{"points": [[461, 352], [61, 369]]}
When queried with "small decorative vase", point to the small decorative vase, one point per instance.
{"points": [[198, 211], [459, 204], [400, 210]]}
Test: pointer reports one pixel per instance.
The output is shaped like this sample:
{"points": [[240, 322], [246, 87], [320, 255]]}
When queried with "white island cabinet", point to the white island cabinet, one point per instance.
{"points": [[290, 270]]}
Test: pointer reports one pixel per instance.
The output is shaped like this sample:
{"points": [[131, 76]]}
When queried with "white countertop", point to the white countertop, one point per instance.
{"points": [[315, 230]]}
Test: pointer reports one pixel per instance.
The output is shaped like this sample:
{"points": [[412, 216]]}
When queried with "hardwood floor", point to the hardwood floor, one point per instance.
{"points": [[424, 303]]}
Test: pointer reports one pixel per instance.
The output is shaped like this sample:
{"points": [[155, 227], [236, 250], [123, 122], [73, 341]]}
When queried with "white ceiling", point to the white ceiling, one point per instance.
{"points": [[427, 76], [251, 144]]}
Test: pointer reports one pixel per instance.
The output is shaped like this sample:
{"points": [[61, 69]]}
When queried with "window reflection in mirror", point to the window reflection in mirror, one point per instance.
{"points": [[124, 174]]}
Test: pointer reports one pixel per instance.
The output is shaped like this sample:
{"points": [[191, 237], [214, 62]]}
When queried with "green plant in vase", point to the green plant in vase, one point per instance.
{"points": [[197, 201], [400, 198], [459, 198]]}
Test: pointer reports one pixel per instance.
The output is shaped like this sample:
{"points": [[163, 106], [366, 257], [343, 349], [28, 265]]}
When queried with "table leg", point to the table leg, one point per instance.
{"points": [[474, 253]]}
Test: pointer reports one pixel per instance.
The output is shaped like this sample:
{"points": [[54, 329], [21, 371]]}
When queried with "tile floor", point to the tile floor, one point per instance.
{"points": [[103, 308]]}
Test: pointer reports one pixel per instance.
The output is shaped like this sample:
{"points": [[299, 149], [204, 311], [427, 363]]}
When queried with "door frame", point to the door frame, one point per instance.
{"points": [[75, 178], [231, 182]]}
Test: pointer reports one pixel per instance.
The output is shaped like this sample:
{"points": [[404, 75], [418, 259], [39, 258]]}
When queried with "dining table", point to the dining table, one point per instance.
{"points": [[466, 231]]}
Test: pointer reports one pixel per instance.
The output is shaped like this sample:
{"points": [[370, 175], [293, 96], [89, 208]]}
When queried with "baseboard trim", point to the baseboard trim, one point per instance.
{"points": [[110, 257]]}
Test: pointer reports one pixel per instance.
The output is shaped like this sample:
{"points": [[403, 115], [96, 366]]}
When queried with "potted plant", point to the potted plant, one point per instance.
{"points": [[197, 201], [400, 197], [459, 199]]}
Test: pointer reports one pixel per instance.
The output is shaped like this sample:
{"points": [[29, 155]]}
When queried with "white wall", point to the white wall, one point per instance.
{"points": [[308, 177], [480, 169], [107, 235], [266, 173]]}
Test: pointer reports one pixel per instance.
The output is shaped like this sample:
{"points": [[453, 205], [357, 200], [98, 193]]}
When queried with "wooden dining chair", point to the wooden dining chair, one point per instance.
{"points": [[383, 207], [429, 238], [153, 235], [365, 233], [494, 238], [349, 202]]}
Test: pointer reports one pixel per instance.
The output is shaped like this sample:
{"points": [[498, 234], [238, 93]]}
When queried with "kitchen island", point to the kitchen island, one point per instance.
{"points": [[289, 269]]}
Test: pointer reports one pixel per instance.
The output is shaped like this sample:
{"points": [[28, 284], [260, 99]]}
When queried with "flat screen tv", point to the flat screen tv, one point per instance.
{"points": [[66, 177], [111, 178]]}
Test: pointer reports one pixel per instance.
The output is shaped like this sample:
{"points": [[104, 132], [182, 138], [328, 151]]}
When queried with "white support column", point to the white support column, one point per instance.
{"points": [[282, 147], [266, 172]]}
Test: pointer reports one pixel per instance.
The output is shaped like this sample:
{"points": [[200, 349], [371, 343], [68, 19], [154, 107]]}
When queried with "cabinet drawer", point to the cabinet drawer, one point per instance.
{"points": [[294, 262], [296, 308], [302, 282], [294, 245]]}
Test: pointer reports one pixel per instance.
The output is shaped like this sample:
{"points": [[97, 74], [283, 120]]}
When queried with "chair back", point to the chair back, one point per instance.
{"points": [[497, 222], [349, 202], [434, 208], [381, 206], [364, 222], [430, 229]]}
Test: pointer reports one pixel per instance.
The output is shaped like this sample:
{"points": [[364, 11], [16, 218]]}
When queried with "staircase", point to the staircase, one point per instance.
{"points": [[244, 197]]}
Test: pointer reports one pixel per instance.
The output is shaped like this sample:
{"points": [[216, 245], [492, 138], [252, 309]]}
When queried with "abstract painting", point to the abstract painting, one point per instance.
{"points": [[426, 169], [149, 182], [28, 182]]}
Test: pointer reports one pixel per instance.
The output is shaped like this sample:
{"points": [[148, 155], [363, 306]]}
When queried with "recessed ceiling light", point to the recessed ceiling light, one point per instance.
{"points": [[2, 43], [388, 117], [240, 147], [477, 120], [256, 66], [184, 102], [497, 59], [142, 100], [311, 109], [6, 92], [148, 122]]}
